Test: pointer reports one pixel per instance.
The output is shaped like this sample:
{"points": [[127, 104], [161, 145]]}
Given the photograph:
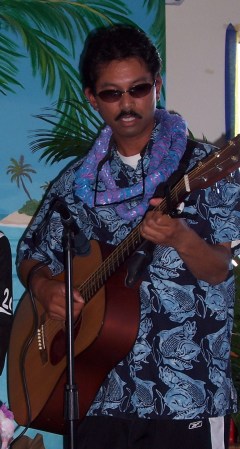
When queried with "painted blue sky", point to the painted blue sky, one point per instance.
{"points": [[17, 123]]}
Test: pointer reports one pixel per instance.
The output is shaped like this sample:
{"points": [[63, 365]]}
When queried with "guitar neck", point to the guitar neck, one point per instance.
{"points": [[117, 257], [208, 171]]}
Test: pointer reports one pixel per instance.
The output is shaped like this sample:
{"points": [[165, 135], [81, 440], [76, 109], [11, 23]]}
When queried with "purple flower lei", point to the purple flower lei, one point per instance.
{"points": [[166, 152], [6, 426], [7, 413]]}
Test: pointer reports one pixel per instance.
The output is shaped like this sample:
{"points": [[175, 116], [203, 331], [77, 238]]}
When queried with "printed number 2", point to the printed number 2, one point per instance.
{"points": [[7, 302]]}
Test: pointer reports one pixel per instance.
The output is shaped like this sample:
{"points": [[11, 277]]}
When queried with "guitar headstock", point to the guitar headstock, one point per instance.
{"points": [[216, 166]]}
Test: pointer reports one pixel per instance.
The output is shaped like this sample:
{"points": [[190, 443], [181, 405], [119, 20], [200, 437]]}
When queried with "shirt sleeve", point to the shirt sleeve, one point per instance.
{"points": [[218, 206], [225, 216], [43, 240]]}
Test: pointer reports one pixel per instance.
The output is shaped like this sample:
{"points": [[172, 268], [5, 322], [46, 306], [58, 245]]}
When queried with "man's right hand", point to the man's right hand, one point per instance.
{"points": [[51, 293]]}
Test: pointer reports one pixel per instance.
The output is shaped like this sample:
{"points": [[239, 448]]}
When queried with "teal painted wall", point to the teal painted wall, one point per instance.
{"points": [[18, 126]]}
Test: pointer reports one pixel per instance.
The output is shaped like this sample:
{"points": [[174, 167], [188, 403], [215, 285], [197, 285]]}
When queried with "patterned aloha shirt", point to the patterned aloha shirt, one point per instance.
{"points": [[179, 366]]}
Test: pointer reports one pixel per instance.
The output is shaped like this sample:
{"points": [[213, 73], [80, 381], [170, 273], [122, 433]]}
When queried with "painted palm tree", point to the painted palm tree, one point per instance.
{"points": [[42, 29], [49, 32], [20, 170], [45, 186]]}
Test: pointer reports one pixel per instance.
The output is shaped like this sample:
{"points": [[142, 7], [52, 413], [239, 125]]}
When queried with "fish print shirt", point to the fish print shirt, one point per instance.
{"points": [[179, 366]]}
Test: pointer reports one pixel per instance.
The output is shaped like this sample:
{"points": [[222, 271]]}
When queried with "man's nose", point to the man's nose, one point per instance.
{"points": [[126, 99]]}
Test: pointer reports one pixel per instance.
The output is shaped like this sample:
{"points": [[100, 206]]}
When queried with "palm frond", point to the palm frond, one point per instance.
{"points": [[157, 29], [8, 68], [50, 32], [69, 137]]}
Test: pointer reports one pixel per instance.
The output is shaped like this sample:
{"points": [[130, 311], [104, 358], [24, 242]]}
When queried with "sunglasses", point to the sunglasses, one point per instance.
{"points": [[138, 91]]}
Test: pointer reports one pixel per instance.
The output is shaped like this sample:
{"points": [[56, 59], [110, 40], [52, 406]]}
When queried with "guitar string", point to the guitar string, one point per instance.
{"points": [[96, 280], [57, 326]]}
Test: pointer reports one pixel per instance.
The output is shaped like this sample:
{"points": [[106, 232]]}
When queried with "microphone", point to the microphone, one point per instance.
{"points": [[82, 244], [59, 205]]}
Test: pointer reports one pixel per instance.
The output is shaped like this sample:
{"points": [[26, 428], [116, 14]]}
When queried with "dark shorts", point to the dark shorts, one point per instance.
{"points": [[115, 433]]}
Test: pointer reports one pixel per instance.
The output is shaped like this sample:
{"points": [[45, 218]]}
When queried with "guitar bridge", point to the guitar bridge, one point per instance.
{"points": [[41, 340]]}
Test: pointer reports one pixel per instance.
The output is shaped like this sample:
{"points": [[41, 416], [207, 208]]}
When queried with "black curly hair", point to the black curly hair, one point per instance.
{"points": [[116, 42]]}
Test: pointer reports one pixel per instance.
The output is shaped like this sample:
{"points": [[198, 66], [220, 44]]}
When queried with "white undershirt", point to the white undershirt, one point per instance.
{"points": [[130, 160]]}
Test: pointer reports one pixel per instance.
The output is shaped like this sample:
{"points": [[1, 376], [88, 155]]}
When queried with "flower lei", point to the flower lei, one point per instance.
{"points": [[167, 150], [6, 426]]}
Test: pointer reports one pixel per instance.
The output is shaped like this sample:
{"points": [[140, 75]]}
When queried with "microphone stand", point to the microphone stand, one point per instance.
{"points": [[71, 404]]}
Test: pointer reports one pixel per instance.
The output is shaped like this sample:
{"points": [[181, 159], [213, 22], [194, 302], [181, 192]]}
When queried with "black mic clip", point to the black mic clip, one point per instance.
{"points": [[138, 262], [68, 222]]}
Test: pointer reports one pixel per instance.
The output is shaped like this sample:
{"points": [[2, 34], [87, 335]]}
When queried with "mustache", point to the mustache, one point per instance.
{"points": [[126, 114]]}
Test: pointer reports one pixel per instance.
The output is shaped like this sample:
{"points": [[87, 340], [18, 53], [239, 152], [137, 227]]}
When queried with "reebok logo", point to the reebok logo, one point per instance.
{"points": [[195, 425]]}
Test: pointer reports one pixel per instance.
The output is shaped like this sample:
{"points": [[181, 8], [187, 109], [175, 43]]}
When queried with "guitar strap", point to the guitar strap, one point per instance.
{"points": [[143, 255], [164, 188]]}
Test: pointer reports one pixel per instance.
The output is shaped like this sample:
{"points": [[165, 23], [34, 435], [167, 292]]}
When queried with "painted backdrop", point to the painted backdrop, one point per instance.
{"points": [[39, 89]]}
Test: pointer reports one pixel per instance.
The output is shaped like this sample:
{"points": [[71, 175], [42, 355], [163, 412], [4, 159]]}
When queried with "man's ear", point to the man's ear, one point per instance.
{"points": [[158, 86], [91, 98]]}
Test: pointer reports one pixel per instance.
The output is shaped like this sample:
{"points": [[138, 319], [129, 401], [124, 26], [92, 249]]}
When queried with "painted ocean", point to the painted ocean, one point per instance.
{"points": [[2, 215]]}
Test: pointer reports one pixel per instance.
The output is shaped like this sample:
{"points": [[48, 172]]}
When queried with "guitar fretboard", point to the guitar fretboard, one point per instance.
{"points": [[208, 171]]}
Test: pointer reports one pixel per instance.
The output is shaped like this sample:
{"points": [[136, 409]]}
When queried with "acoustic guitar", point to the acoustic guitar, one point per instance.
{"points": [[107, 330]]}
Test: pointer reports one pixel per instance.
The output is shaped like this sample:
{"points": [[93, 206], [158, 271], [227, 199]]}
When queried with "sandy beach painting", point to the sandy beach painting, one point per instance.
{"points": [[15, 219]]}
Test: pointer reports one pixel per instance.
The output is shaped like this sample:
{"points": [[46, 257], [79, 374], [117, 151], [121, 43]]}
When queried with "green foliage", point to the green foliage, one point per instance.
{"points": [[158, 26], [8, 68], [29, 208], [48, 32], [67, 138]]}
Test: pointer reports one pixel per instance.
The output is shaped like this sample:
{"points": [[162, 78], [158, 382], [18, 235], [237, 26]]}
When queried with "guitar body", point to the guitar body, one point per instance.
{"points": [[37, 351], [109, 321]]}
